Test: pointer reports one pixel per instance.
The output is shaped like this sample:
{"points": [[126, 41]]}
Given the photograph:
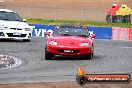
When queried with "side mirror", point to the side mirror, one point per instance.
{"points": [[47, 34], [93, 36], [24, 20]]}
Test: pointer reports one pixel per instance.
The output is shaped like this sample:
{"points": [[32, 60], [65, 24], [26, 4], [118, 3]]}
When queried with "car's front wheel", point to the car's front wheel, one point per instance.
{"points": [[48, 56], [89, 56], [26, 40]]}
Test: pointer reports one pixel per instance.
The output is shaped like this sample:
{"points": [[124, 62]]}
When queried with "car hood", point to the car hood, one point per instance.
{"points": [[14, 24], [70, 40]]}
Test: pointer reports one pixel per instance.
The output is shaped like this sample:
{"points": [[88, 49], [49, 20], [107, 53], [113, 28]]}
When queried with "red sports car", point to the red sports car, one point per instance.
{"points": [[69, 40]]}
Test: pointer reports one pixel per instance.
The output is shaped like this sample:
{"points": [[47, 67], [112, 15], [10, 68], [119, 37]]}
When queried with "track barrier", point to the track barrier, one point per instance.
{"points": [[111, 33], [121, 33], [130, 34], [101, 32], [39, 30]]}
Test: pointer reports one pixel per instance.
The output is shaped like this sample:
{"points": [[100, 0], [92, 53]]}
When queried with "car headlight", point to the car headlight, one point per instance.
{"points": [[4, 28], [1, 28], [84, 44], [27, 29], [53, 43]]}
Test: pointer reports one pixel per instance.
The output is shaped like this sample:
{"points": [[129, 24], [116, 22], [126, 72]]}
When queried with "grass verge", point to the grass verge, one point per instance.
{"points": [[87, 23]]}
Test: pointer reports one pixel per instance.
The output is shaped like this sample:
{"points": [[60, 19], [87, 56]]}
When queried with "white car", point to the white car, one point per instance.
{"points": [[12, 26]]}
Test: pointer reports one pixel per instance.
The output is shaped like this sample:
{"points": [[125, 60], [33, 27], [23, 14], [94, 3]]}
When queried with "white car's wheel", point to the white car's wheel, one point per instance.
{"points": [[26, 40]]}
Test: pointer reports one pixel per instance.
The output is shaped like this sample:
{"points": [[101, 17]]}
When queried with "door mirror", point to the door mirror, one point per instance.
{"points": [[93, 36], [47, 34], [24, 20]]}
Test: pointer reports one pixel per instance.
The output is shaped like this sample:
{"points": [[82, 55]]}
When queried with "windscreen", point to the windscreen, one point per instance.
{"points": [[70, 32], [10, 16]]}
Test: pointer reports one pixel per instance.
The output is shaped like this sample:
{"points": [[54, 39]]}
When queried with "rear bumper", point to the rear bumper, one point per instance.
{"points": [[77, 51]]}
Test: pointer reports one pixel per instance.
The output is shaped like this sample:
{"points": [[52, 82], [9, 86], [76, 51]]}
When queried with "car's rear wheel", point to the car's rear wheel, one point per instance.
{"points": [[48, 56]]}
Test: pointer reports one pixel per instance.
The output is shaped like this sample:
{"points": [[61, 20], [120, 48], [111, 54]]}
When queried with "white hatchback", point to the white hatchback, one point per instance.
{"points": [[12, 26]]}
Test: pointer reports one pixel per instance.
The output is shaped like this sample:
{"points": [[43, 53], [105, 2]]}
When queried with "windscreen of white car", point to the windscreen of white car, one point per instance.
{"points": [[10, 16]]}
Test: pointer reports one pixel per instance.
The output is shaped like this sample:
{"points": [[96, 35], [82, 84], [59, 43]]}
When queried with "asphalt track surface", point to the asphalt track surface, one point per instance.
{"points": [[110, 57]]}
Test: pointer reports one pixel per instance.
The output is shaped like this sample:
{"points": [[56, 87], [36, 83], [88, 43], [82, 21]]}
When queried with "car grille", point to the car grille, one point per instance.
{"points": [[15, 28], [11, 35], [62, 51]]}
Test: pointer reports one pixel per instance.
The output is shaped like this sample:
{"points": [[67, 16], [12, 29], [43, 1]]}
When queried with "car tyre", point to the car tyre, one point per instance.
{"points": [[90, 56], [26, 40], [48, 56]]}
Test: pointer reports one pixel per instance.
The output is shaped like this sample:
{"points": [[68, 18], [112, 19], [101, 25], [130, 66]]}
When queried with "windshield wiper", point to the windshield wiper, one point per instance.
{"points": [[65, 34], [16, 20], [82, 35], [4, 19]]}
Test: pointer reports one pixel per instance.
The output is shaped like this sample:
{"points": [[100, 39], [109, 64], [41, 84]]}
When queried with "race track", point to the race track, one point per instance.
{"points": [[110, 57]]}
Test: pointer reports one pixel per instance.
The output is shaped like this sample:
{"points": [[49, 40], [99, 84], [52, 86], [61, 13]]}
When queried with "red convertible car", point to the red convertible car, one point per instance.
{"points": [[69, 40]]}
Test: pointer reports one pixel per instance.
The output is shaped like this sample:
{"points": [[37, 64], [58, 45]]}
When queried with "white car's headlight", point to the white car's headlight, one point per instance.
{"points": [[84, 44], [53, 43], [1, 28], [27, 29], [4, 28]]}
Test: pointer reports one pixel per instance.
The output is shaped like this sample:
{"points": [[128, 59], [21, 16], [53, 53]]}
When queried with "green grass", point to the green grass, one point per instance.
{"points": [[86, 23]]}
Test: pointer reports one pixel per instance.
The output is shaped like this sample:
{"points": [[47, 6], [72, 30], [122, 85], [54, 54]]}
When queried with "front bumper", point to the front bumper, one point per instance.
{"points": [[11, 35], [76, 51]]}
